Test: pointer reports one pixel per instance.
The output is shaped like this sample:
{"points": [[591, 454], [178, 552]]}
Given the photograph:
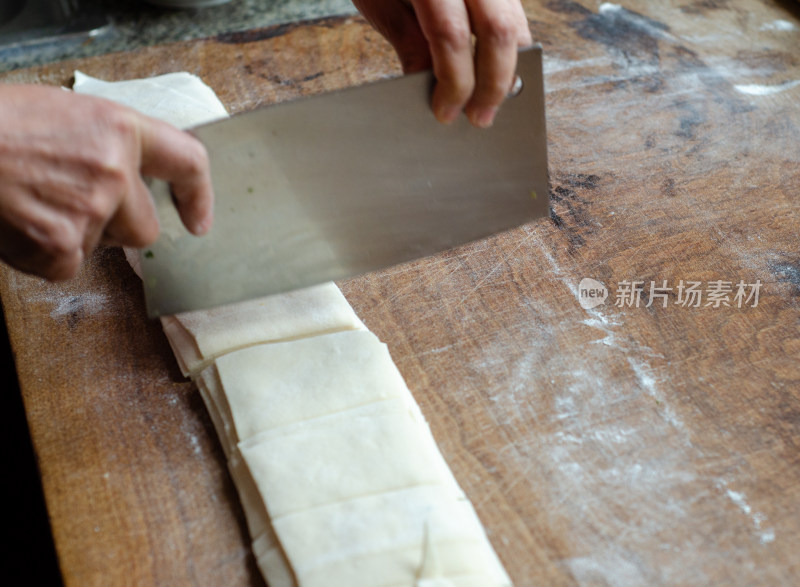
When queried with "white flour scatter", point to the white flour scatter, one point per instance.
{"points": [[765, 535], [779, 25], [68, 305], [765, 90]]}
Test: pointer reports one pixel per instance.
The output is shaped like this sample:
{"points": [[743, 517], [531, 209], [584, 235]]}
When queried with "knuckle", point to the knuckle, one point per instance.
{"points": [[454, 88], [115, 154], [94, 205], [57, 241], [99, 206], [144, 235], [500, 30], [196, 156], [461, 90], [492, 91], [58, 250], [112, 169], [63, 268], [118, 119], [452, 33]]}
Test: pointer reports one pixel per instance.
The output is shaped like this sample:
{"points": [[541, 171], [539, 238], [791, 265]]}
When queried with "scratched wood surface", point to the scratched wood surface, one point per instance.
{"points": [[644, 441]]}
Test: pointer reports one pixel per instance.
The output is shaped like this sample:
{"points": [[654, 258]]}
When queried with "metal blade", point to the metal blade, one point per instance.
{"points": [[348, 182]]}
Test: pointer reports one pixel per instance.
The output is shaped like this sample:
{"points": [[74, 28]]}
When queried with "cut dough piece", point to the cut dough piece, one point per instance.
{"points": [[182, 99], [218, 419], [134, 260], [265, 386], [378, 447], [258, 522], [383, 540], [272, 562], [211, 391], [197, 338]]}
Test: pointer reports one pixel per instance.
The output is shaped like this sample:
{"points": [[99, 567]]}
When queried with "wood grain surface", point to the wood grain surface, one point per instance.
{"points": [[645, 443]]}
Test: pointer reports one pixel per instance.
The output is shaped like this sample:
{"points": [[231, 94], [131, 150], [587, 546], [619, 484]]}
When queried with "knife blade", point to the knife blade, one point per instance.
{"points": [[344, 183]]}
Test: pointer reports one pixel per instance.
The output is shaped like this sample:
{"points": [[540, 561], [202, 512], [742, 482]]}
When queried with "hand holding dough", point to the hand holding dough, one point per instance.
{"points": [[70, 177]]}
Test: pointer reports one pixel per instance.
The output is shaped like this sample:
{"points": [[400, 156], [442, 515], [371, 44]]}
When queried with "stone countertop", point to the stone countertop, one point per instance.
{"points": [[134, 24]]}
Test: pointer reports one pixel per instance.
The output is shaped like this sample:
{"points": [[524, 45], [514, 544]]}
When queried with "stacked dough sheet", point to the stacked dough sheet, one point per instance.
{"points": [[340, 479]]}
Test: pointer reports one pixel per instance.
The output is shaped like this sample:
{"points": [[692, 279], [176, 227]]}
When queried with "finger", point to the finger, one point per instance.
{"points": [[42, 247], [108, 241], [446, 26], [52, 268], [179, 158], [133, 224], [500, 31], [60, 268], [524, 38], [396, 21]]}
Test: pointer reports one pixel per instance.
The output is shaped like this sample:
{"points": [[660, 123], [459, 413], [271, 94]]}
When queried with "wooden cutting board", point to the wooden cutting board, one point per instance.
{"points": [[643, 441]]}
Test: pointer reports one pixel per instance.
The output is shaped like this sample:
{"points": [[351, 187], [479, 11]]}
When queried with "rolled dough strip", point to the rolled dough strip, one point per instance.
{"points": [[338, 473], [184, 100]]}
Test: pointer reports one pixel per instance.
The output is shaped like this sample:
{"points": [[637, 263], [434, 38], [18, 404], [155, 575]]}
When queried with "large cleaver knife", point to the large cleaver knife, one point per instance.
{"points": [[341, 184]]}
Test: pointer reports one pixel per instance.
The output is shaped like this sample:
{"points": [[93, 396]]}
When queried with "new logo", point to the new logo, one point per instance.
{"points": [[591, 293]]}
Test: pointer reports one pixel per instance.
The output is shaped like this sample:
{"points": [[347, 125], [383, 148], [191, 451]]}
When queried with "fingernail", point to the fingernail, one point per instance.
{"points": [[484, 117], [448, 114], [202, 227]]}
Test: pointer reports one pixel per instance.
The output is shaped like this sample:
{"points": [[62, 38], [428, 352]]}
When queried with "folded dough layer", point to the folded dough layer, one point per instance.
{"points": [[390, 538], [359, 452], [271, 385], [197, 338]]}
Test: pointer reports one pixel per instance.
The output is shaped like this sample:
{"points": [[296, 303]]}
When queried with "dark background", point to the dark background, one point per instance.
{"points": [[28, 554]]}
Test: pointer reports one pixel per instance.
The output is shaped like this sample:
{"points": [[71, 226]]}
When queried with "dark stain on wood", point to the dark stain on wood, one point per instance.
{"points": [[630, 35], [766, 61], [689, 62], [582, 180], [788, 272], [256, 35], [703, 6], [567, 7], [690, 119], [312, 76], [668, 187], [279, 80], [569, 212], [74, 311], [634, 39]]}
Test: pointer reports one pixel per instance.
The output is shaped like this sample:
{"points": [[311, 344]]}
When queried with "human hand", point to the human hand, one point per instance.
{"points": [[438, 34], [71, 178]]}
